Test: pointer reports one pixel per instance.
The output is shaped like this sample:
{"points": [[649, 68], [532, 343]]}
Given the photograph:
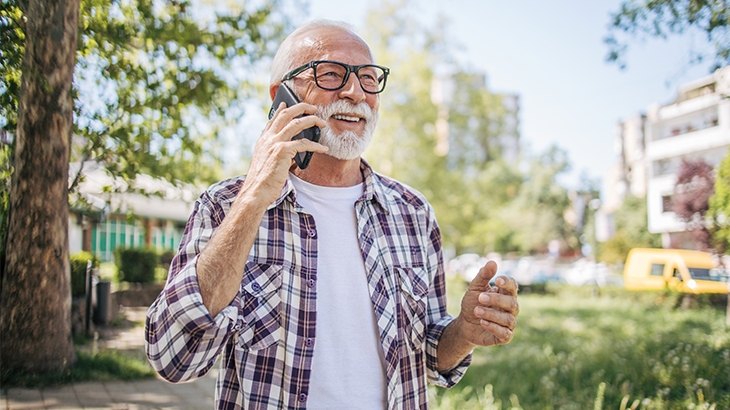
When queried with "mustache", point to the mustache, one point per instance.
{"points": [[360, 109]]}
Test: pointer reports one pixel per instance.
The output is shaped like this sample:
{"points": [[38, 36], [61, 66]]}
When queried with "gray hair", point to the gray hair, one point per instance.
{"points": [[284, 60]]}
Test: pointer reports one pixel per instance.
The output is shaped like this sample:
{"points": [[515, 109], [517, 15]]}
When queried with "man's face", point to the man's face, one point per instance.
{"points": [[351, 113]]}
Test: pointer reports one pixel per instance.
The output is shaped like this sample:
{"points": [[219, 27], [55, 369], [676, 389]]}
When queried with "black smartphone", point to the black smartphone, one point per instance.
{"points": [[284, 94]]}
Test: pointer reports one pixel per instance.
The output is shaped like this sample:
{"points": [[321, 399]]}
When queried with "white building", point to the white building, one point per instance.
{"points": [[108, 213], [650, 149], [695, 126]]}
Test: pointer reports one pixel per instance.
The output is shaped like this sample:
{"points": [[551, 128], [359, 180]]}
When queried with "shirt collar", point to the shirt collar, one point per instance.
{"points": [[373, 190]]}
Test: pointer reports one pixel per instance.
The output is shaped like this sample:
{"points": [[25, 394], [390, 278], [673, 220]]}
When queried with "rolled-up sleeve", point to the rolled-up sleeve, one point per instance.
{"points": [[182, 339], [448, 378], [437, 314]]}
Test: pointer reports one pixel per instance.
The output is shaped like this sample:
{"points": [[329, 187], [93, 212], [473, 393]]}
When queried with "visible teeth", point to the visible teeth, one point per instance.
{"points": [[345, 117]]}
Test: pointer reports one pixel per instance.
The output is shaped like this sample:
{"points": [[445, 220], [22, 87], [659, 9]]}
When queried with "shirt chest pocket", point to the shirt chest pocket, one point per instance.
{"points": [[412, 304], [261, 306]]}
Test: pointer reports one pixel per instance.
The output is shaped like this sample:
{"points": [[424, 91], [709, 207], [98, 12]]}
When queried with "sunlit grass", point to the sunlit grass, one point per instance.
{"points": [[643, 348], [103, 366], [91, 364]]}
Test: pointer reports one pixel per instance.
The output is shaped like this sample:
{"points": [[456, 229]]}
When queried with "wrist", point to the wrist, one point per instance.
{"points": [[453, 346], [254, 199], [462, 334]]}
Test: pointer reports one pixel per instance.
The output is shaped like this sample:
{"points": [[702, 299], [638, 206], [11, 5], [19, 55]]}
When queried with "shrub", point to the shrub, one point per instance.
{"points": [[78, 271], [166, 259], [136, 265]]}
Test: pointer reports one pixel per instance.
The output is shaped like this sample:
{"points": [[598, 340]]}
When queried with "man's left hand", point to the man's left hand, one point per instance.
{"points": [[489, 314]]}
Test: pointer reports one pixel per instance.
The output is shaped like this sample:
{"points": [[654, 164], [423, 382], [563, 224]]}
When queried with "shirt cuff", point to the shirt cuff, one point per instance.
{"points": [[448, 378]]}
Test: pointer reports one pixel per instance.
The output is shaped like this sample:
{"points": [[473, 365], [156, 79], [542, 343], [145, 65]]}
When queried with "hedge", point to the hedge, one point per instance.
{"points": [[78, 262], [136, 265]]}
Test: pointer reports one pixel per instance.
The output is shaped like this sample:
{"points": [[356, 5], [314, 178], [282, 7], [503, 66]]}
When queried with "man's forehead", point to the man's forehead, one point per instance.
{"points": [[322, 42]]}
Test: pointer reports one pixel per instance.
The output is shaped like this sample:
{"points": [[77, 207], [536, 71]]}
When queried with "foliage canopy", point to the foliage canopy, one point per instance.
{"points": [[661, 18], [450, 144], [631, 232], [152, 77], [719, 206]]}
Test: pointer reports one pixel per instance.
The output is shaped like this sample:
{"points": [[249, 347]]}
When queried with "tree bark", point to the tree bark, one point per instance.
{"points": [[35, 298]]}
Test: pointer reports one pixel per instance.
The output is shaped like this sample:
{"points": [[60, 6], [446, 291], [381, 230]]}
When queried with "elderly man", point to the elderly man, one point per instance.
{"points": [[323, 287]]}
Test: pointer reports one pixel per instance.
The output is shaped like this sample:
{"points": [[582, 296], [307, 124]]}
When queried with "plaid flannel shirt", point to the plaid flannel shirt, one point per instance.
{"points": [[267, 333]]}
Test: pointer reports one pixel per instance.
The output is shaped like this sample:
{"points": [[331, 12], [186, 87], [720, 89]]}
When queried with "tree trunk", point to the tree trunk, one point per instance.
{"points": [[35, 298]]}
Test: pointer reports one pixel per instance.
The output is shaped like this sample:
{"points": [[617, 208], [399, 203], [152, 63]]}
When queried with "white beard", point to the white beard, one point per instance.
{"points": [[347, 145]]}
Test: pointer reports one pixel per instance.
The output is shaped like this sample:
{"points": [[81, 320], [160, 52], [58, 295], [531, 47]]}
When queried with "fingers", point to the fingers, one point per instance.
{"points": [[289, 121], [493, 310], [501, 302], [486, 273], [303, 144], [500, 317], [276, 141], [498, 321], [506, 286], [274, 152], [496, 334], [294, 111]]}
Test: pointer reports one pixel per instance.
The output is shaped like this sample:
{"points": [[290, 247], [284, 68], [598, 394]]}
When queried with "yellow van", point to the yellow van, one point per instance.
{"points": [[677, 269]]}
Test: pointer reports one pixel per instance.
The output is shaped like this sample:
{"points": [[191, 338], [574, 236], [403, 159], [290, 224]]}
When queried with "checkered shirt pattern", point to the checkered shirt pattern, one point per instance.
{"points": [[267, 334]]}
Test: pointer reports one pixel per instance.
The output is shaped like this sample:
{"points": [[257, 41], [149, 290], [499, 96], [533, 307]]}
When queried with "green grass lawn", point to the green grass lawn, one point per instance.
{"points": [[91, 364], [578, 349], [103, 366]]}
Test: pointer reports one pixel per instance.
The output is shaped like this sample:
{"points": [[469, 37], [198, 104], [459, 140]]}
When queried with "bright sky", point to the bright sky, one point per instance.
{"points": [[552, 54]]}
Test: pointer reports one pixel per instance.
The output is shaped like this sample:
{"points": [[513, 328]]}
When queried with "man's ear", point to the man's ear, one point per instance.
{"points": [[272, 90]]}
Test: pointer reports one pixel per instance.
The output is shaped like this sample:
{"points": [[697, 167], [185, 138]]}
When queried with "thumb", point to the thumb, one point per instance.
{"points": [[486, 273]]}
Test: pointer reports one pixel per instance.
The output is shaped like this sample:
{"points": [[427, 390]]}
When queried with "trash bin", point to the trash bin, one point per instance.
{"points": [[103, 302]]}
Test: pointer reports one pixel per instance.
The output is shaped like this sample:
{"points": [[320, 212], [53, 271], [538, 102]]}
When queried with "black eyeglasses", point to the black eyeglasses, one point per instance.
{"points": [[333, 75]]}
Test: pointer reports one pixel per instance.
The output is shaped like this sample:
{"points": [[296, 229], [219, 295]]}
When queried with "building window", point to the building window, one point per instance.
{"points": [[667, 203], [119, 233], [708, 120], [112, 234]]}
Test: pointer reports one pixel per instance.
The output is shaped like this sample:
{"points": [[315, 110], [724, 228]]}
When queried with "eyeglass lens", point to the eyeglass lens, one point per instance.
{"points": [[332, 76]]}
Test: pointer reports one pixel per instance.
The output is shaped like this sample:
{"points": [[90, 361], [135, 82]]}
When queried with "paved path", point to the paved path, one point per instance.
{"points": [[132, 395]]}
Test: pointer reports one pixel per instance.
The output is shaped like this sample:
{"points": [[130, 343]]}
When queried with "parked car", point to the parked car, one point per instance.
{"points": [[677, 269], [586, 271]]}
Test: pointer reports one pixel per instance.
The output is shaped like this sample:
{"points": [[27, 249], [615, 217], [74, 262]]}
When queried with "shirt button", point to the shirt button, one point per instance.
{"points": [[302, 397], [309, 342], [312, 233], [310, 283], [256, 287]]}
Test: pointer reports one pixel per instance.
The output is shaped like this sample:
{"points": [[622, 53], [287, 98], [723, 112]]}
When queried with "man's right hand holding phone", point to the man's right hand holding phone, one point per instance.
{"points": [[221, 264], [274, 152]]}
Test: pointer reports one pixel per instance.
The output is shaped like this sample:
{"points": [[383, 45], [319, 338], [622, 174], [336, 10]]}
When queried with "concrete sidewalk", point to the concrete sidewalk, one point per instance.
{"points": [[132, 395]]}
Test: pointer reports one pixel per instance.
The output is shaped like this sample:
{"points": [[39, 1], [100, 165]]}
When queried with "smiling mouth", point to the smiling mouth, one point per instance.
{"points": [[348, 118]]}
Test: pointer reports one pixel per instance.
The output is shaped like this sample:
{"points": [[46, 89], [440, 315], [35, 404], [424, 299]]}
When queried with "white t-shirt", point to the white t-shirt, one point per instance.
{"points": [[348, 365]]}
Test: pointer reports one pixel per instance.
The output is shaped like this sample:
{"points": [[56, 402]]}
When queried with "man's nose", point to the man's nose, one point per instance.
{"points": [[352, 90]]}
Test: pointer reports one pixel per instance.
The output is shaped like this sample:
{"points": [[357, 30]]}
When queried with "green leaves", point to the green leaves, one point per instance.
{"points": [[155, 80], [719, 206], [166, 71], [661, 18], [442, 131], [12, 47], [631, 232]]}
